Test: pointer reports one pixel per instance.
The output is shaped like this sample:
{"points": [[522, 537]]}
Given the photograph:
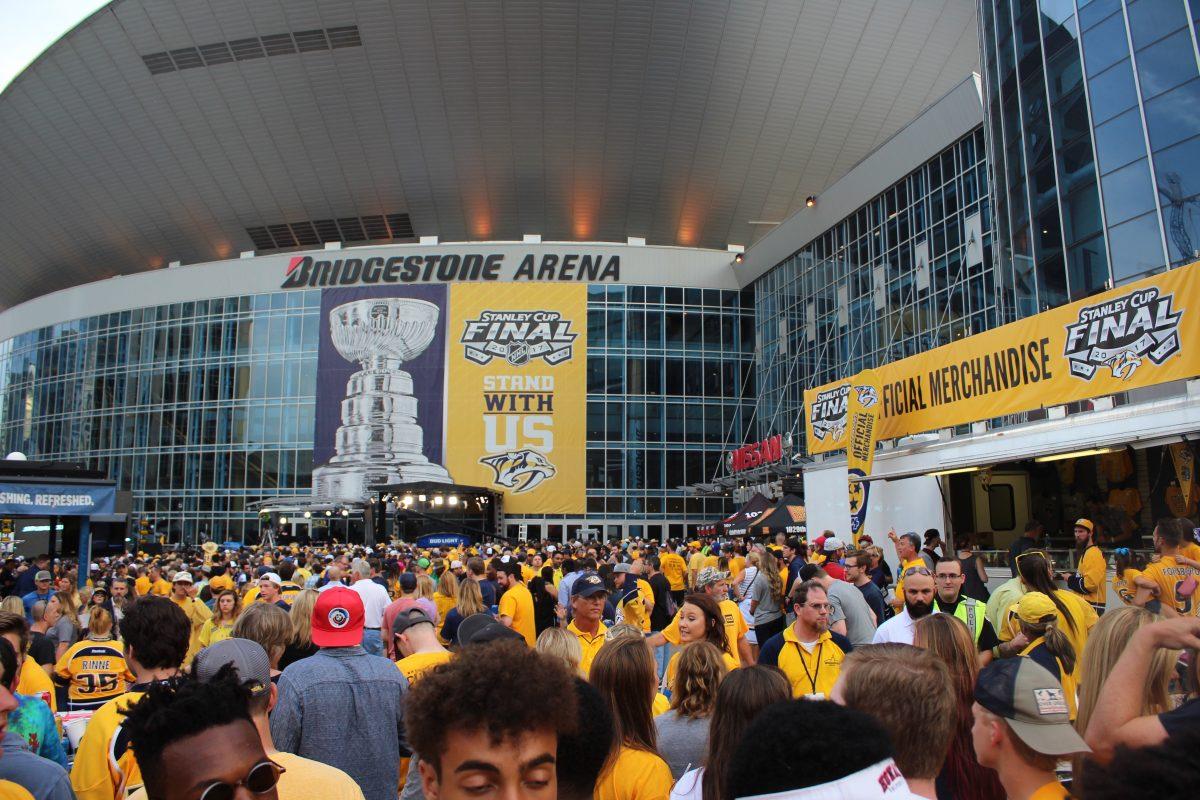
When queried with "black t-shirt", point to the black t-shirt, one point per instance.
{"points": [[1183, 719], [987, 634], [659, 618], [41, 649]]}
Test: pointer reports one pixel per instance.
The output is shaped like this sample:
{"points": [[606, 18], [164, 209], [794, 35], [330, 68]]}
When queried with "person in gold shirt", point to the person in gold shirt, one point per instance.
{"points": [[417, 641], [152, 583], [182, 594], [634, 598], [1171, 580], [516, 604], [1091, 570], [675, 568], [695, 563], [908, 550], [588, 594]]}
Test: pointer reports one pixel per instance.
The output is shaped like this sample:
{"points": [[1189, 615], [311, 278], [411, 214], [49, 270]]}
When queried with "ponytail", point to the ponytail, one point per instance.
{"points": [[1059, 645], [1034, 570]]}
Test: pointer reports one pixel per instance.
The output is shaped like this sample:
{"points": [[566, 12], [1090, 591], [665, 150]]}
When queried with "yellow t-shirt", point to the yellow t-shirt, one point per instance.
{"points": [[696, 563], [673, 664], [589, 645], [143, 587], [1123, 585], [212, 632], [635, 775], [1051, 791], [444, 604], [13, 791], [517, 604], [1169, 574], [713, 561], [197, 613], [94, 670], [304, 777], [737, 565], [675, 569], [661, 704], [735, 628], [916, 562], [418, 664], [1092, 568], [528, 573], [98, 770], [1082, 614], [1190, 550], [35, 682]]}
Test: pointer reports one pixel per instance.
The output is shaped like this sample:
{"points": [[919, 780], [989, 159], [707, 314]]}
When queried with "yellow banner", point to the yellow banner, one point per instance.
{"points": [[1185, 470], [863, 414], [1136, 335], [517, 394]]}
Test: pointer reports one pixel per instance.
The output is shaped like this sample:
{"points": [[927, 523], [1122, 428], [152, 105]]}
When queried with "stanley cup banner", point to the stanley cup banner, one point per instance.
{"points": [[862, 414], [380, 387], [517, 402], [1140, 334]]}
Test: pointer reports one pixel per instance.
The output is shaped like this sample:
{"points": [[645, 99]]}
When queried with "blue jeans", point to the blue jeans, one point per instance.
{"points": [[372, 642], [662, 657]]}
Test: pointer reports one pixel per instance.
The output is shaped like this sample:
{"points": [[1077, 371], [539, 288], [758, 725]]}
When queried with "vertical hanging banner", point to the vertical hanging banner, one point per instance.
{"points": [[862, 415], [1185, 470], [517, 395]]}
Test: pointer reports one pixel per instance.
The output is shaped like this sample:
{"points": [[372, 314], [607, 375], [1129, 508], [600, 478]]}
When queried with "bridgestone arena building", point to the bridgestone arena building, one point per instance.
{"points": [[291, 267]]}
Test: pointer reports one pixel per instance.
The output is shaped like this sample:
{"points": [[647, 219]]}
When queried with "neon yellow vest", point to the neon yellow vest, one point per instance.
{"points": [[970, 613]]}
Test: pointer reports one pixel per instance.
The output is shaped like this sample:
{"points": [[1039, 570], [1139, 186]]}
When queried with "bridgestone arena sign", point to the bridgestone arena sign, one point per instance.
{"points": [[1139, 334], [310, 272]]}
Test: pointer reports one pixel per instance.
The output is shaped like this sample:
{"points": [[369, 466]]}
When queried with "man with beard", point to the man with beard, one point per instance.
{"points": [[807, 652], [1091, 567], [918, 602]]}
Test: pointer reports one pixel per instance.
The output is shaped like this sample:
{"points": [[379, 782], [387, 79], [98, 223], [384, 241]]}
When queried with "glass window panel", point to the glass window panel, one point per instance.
{"points": [[1092, 12], [1077, 164], [1166, 64], [1127, 192], [1174, 116], [1136, 247], [1088, 267], [1112, 91], [1178, 171], [1082, 218], [1105, 44], [1120, 141], [1150, 20]]}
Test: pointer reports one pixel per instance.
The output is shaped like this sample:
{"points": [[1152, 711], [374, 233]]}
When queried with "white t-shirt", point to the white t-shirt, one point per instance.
{"points": [[375, 599], [690, 785], [897, 629]]}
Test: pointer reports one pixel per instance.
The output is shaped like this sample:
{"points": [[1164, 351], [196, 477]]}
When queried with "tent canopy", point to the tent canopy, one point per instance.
{"points": [[787, 517], [738, 523]]}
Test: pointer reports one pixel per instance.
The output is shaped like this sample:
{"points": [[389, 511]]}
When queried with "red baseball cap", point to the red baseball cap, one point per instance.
{"points": [[337, 619]]}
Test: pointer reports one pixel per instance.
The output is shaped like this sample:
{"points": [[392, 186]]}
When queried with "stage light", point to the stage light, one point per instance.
{"points": [[345, 512], [438, 500], [810, 201], [453, 499], [408, 498], [283, 520], [328, 513], [308, 515], [421, 497]]}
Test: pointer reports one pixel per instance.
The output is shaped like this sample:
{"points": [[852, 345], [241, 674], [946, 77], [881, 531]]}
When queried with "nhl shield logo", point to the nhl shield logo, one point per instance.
{"points": [[518, 354]]}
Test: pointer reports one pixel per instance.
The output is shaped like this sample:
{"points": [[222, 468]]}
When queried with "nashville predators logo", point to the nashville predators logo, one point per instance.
{"points": [[867, 396], [1123, 364], [520, 470]]}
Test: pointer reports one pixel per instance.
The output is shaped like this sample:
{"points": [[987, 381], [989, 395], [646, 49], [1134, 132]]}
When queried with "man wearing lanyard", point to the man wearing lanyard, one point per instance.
{"points": [[807, 652]]}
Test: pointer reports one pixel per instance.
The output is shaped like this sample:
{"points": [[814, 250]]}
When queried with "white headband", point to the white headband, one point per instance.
{"points": [[882, 780]]}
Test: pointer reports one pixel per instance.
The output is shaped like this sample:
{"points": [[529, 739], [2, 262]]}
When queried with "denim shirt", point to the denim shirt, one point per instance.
{"points": [[345, 708]]}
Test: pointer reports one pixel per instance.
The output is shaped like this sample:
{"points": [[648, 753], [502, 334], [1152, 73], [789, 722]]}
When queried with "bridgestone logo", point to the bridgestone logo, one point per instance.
{"points": [[1120, 334], [828, 413], [518, 337]]}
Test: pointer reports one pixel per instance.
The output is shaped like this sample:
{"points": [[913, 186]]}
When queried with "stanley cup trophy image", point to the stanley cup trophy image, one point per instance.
{"points": [[379, 440]]}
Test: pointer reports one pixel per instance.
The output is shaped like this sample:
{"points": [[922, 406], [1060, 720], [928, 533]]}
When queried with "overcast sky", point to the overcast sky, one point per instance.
{"points": [[27, 27]]}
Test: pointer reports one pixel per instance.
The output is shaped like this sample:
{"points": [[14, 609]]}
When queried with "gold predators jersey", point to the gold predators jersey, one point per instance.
{"points": [[93, 670]]}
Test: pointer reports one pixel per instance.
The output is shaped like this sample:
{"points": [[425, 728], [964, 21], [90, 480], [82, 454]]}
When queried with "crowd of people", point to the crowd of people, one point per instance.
{"points": [[699, 670]]}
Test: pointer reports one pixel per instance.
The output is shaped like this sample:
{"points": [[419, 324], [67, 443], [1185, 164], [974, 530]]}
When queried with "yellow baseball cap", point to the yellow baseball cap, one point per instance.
{"points": [[1033, 607], [693, 544], [1085, 523]]}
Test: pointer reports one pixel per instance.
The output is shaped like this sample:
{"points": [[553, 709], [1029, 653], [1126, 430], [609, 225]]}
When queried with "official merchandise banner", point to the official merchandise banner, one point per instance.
{"points": [[1136, 335], [517, 397], [46, 500], [863, 414]]}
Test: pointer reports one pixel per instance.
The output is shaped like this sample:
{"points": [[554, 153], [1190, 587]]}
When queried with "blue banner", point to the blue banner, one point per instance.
{"points": [[444, 540], [50, 500]]}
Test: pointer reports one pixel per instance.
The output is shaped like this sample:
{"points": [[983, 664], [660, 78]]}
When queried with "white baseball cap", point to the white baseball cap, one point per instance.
{"points": [[273, 577], [182, 577]]}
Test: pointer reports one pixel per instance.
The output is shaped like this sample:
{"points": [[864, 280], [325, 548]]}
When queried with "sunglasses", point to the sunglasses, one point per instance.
{"points": [[261, 779], [1029, 553], [916, 571]]}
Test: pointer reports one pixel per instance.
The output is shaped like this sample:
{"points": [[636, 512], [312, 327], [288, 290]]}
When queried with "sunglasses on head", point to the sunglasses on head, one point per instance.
{"points": [[916, 571], [1029, 553], [261, 779]]}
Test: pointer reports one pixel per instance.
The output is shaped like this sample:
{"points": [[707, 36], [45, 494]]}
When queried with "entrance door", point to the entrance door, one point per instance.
{"points": [[1003, 507]]}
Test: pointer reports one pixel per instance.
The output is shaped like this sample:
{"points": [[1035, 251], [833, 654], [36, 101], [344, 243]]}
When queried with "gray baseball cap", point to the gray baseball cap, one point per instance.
{"points": [[622, 567], [247, 657], [1032, 702]]}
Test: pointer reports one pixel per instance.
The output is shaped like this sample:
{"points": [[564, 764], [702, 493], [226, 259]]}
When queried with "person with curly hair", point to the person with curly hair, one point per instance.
{"points": [[472, 739]]}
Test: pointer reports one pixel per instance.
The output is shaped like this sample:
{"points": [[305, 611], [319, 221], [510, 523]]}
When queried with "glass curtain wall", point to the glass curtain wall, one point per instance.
{"points": [[908, 271], [1091, 108], [199, 408]]}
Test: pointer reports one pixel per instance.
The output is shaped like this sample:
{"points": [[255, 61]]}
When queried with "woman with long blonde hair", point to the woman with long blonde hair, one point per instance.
{"points": [[623, 673], [300, 613], [683, 731], [468, 602], [962, 777], [445, 597], [562, 645], [226, 609], [426, 587], [766, 600], [1104, 646]]}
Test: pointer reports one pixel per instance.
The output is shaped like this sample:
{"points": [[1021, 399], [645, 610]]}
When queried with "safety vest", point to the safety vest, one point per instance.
{"points": [[969, 612]]}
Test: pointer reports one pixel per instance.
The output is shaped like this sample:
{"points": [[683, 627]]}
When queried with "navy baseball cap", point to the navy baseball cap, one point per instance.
{"points": [[587, 585]]}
